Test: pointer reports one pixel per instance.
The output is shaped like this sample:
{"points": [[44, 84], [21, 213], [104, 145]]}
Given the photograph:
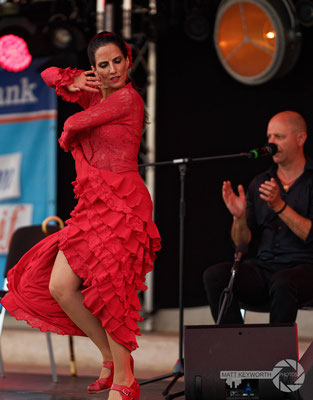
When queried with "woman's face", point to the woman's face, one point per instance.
{"points": [[111, 67]]}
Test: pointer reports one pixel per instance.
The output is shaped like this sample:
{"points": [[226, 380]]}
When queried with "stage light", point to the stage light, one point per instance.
{"points": [[257, 40], [64, 35], [14, 54], [270, 35], [305, 12], [197, 26], [61, 37], [48, 29]]}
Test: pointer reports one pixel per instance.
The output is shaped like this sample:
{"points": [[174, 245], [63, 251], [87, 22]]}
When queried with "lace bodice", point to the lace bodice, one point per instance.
{"points": [[109, 131]]}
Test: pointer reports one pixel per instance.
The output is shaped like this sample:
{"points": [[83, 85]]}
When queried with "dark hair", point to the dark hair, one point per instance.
{"points": [[102, 39]]}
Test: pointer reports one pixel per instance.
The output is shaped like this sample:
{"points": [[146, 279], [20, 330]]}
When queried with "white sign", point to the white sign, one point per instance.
{"points": [[18, 94], [287, 375], [10, 173], [13, 216]]}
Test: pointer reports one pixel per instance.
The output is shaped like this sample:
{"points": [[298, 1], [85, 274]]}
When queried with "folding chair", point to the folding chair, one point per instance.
{"points": [[22, 240]]}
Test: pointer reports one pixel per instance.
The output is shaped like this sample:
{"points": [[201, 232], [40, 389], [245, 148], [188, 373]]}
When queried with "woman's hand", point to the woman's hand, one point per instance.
{"points": [[85, 81]]}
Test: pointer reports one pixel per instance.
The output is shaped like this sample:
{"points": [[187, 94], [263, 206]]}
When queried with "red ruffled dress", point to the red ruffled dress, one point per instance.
{"points": [[110, 240]]}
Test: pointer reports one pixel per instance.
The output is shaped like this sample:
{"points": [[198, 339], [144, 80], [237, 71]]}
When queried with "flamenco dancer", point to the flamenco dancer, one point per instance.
{"points": [[83, 280]]}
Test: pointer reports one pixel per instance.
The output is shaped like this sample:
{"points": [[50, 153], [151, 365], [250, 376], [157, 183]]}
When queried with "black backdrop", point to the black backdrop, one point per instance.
{"points": [[201, 111]]}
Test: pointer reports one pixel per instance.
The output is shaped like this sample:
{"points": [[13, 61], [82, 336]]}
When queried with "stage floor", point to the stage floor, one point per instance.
{"points": [[30, 386], [17, 386]]}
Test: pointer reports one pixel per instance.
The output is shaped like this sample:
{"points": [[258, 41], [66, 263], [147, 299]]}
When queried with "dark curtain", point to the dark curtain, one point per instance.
{"points": [[202, 111]]}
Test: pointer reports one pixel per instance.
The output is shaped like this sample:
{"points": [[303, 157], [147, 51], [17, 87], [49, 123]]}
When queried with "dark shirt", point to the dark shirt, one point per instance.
{"points": [[276, 243]]}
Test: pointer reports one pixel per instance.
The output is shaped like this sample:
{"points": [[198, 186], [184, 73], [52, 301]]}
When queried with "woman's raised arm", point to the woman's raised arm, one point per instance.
{"points": [[72, 84]]}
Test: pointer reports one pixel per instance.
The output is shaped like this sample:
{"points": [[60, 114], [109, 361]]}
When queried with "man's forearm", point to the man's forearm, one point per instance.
{"points": [[299, 225], [240, 231]]}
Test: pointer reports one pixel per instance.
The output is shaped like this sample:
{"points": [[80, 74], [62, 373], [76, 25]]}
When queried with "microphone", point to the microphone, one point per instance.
{"points": [[241, 251], [269, 149]]}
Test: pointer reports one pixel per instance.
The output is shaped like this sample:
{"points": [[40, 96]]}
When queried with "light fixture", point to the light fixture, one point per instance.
{"points": [[65, 35], [197, 25], [49, 28], [61, 37], [257, 40], [14, 54], [305, 12]]}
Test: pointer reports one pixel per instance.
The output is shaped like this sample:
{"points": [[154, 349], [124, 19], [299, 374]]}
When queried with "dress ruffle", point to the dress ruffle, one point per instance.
{"points": [[29, 298], [110, 242], [113, 218], [66, 78]]}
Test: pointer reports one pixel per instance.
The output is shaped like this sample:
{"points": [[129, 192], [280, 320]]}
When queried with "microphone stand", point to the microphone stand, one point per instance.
{"points": [[227, 292], [178, 370]]}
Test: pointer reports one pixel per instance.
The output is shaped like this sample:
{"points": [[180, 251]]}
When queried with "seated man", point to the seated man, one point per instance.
{"points": [[278, 213]]}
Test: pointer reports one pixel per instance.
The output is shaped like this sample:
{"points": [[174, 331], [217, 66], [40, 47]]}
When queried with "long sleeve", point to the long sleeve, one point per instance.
{"points": [[117, 107], [58, 79]]}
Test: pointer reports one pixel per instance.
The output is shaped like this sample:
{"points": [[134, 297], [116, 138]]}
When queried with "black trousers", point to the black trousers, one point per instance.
{"points": [[285, 290]]}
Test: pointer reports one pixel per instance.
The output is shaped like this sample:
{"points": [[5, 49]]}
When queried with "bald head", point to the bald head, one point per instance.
{"points": [[292, 119], [288, 131]]}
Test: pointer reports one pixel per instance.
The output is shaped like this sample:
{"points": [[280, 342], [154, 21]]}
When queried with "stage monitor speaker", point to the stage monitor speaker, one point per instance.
{"points": [[239, 349], [306, 361]]}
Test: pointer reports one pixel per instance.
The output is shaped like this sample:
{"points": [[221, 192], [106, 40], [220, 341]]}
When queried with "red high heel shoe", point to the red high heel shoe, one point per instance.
{"points": [[102, 384], [128, 393]]}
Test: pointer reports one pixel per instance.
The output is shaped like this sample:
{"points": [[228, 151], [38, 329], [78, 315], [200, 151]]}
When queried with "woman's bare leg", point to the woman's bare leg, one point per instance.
{"points": [[65, 289], [122, 371]]}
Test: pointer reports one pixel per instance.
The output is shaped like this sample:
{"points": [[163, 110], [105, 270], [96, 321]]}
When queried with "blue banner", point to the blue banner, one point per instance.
{"points": [[28, 126]]}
